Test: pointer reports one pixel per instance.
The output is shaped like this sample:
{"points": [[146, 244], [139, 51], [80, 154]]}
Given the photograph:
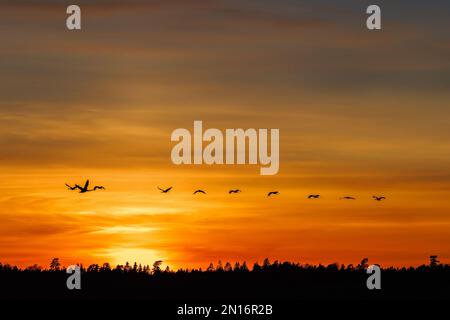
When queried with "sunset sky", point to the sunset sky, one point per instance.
{"points": [[360, 113]]}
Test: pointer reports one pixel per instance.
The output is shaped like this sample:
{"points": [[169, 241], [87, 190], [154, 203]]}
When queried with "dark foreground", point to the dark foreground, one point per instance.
{"points": [[278, 281], [272, 291]]}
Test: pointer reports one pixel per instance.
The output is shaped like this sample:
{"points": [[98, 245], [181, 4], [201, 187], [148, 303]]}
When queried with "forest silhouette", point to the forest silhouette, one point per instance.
{"points": [[277, 280]]}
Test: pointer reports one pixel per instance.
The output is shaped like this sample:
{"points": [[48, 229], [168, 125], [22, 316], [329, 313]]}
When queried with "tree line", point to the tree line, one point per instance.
{"points": [[237, 267]]}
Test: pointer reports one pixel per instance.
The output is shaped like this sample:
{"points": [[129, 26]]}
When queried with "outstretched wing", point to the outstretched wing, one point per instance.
{"points": [[86, 184], [75, 187], [71, 188], [168, 189]]}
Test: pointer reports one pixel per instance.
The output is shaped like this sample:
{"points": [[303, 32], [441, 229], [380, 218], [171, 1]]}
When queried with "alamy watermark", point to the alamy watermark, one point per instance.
{"points": [[74, 280], [73, 22], [235, 142], [373, 22], [374, 280]]}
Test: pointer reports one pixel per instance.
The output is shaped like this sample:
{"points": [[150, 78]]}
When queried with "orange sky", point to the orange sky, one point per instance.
{"points": [[359, 113]]}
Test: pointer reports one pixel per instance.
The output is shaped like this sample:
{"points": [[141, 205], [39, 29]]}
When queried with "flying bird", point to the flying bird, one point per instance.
{"points": [[199, 191], [348, 198], [378, 198], [234, 191], [272, 193], [165, 190], [314, 196], [85, 188]]}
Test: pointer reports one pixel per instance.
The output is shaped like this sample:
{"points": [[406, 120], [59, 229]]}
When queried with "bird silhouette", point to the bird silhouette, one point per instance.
{"points": [[234, 191], [199, 191], [165, 190], [272, 193], [314, 196], [85, 188], [378, 198], [348, 198]]}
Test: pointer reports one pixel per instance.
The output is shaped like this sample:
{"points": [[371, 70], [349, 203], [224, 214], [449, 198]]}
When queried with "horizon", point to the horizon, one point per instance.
{"points": [[221, 264]]}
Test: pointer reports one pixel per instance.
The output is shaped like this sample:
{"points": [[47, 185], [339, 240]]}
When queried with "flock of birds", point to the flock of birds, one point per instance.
{"points": [[271, 193]]}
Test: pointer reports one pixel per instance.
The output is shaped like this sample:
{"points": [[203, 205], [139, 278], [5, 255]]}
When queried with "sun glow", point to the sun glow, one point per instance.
{"points": [[122, 255]]}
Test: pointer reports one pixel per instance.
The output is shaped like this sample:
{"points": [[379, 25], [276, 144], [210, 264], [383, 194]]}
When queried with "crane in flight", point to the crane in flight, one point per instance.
{"points": [[273, 193], [85, 188], [234, 191], [348, 198], [314, 196], [199, 191], [378, 198], [165, 190]]}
